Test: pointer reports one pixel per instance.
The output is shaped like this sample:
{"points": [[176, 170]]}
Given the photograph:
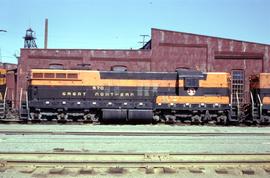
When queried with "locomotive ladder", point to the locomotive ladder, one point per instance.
{"points": [[3, 105], [24, 110], [256, 109]]}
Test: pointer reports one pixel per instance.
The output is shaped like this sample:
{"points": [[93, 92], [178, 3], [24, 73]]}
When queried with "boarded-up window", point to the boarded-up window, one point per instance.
{"points": [[72, 76], [49, 75], [37, 75], [60, 75]]}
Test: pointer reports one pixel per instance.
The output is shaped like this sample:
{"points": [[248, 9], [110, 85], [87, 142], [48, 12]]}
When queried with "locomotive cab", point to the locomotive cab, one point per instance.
{"points": [[191, 80]]}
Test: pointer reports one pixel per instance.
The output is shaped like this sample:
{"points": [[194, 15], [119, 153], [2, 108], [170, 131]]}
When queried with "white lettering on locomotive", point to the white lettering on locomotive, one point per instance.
{"points": [[73, 93]]}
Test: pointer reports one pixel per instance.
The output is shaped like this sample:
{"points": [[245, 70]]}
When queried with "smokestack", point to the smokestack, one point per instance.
{"points": [[46, 34]]}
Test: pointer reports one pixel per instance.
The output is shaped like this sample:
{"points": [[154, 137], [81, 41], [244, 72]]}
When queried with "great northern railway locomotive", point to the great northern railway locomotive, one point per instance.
{"points": [[120, 96], [128, 96]]}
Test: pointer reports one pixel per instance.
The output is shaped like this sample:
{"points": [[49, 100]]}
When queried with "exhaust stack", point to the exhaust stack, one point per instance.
{"points": [[46, 34]]}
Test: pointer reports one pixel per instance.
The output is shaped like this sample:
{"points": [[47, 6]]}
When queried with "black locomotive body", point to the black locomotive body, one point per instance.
{"points": [[185, 95]]}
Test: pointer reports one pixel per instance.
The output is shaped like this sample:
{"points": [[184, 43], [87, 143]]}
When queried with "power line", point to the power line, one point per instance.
{"points": [[143, 42]]}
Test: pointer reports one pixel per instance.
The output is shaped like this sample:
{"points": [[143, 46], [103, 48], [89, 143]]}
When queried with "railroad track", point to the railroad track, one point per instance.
{"points": [[124, 163], [133, 133]]}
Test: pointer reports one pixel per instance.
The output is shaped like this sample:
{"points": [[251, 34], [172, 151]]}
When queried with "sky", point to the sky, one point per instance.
{"points": [[118, 24]]}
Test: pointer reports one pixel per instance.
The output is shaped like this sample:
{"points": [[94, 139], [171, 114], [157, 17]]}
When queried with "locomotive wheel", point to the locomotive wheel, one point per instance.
{"points": [[222, 120], [265, 120], [196, 119], [206, 117], [156, 118], [94, 118], [87, 117], [170, 119], [35, 117], [62, 118]]}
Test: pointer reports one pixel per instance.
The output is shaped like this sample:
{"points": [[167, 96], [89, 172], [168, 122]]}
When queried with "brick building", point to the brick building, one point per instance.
{"points": [[166, 51]]}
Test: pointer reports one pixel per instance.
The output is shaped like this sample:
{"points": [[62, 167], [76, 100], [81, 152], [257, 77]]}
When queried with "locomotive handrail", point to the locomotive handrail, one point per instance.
{"points": [[252, 99], [238, 104], [27, 106], [237, 99], [231, 98], [236, 95], [5, 96], [252, 103], [26, 100], [259, 99], [20, 106], [260, 104]]}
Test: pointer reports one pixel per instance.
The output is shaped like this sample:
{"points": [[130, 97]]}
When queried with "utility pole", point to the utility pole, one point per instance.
{"points": [[143, 42]]}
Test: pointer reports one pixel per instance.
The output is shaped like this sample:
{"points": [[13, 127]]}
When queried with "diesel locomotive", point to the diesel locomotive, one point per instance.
{"points": [[121, 96]]}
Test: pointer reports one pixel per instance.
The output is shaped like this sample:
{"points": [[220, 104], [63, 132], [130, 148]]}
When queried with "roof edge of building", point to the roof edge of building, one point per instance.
{"points": [[208, 36], [84, 49]]}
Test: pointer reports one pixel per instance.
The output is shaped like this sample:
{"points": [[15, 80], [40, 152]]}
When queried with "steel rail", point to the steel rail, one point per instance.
{"points": [[150, 163], [128, 133], [131, 159]]}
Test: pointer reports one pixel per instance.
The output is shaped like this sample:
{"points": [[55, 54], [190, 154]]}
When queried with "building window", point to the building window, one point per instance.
{"points": [[119, 68], [238, 86], [182, 68], [56, 66]]}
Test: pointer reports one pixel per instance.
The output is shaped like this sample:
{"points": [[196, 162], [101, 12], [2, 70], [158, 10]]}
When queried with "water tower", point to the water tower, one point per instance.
{"points": [[29, 39]]}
